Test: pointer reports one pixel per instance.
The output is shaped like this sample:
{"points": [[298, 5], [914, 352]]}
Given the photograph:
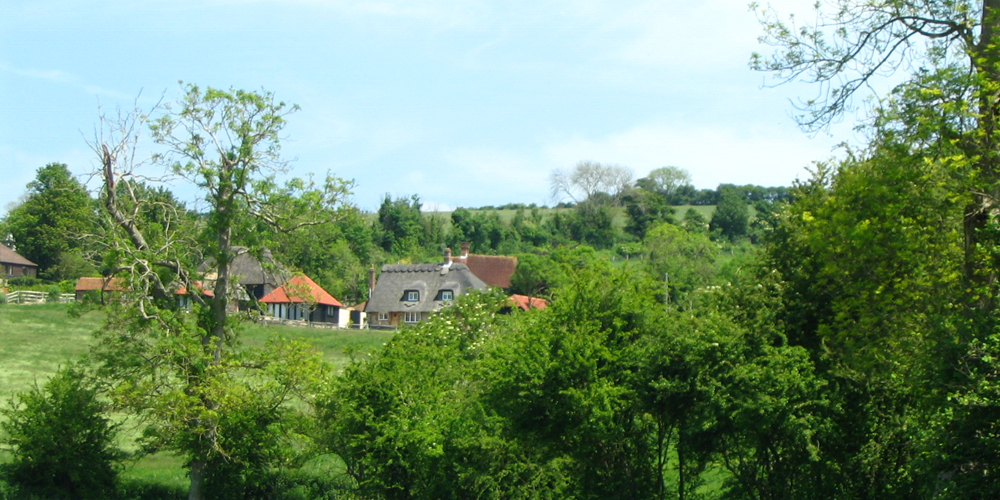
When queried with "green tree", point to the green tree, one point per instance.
{"points": [[732, 215], [694, 221], [687, 259], [484, 231], [63, 443], [536, 275], [187, 374], [667, 181], [948, 106], [593, 223], [561, 380], [334, 254], [870, 256], [400, 228], [644, 209], [54, 218], [408, 423]]}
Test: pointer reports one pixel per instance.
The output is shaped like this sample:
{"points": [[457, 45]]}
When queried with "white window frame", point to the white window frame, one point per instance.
{"points": [[411, 317], [447, 295], [383, 316], [412, 296]]}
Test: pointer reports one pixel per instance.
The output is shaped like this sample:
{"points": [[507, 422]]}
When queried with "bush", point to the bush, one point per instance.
{"points": [[62, 442], [24, 282]]}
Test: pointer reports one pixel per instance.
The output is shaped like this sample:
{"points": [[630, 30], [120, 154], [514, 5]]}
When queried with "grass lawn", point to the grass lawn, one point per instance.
{"points": [[336, 345], [36, 339]]}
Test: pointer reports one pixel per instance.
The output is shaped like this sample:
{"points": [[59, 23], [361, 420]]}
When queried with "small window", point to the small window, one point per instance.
{"points": [[383, 316], [447, 295], [411, 317], [412, 296]]}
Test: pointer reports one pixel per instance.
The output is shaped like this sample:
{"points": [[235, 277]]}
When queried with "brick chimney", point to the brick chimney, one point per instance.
{"points": [[371, 281], [465, 252], [447, 256]]}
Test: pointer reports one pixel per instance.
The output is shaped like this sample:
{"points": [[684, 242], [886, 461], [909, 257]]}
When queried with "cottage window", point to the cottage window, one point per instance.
{"points": [[447, 295], [383, 316], [411, 317], [412, 296]]}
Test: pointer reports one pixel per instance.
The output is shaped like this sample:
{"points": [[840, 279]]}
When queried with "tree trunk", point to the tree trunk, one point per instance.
{"points": [[196, 473], [980, 276]]}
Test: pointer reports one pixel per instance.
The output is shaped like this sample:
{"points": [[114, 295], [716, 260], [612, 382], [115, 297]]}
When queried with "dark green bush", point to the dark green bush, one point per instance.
{"points": [[24, 282], [63, 445]]}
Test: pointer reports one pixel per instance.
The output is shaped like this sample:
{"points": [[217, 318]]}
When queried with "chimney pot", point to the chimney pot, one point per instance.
{"points": [[371, 281]]}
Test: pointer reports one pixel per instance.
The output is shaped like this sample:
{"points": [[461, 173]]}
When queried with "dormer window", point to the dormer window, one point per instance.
{"points": [[412, 296], [446, 295]]}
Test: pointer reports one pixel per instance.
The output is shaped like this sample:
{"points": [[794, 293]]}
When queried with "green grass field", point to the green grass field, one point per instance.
{"points": [[35, 340]]}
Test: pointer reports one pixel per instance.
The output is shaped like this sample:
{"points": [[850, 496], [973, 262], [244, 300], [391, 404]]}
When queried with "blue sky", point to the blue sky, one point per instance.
{"points": [[463, 102]]}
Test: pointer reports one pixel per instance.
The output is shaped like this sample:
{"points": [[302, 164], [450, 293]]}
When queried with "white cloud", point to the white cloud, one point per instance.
{"points": [[433, 206], [500, 176], [62, 77], [712, 154]]}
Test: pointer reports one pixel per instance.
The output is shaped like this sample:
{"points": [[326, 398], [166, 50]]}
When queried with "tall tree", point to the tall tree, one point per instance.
{"points": [[666, 181], [947, 113], [56, 214], [645, 208], [589, 178], [200, 393], [953, 49], [732, 215], [399, 228]]}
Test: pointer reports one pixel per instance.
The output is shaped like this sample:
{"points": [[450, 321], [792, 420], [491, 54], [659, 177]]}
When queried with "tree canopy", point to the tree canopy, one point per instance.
{"points": [[55, 217]]}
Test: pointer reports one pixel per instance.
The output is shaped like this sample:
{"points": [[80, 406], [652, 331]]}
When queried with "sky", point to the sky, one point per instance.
{"points": [[465, 103]]}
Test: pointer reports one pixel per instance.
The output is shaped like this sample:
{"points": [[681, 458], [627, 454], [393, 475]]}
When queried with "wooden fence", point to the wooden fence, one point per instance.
{"points": [[29, 297]]}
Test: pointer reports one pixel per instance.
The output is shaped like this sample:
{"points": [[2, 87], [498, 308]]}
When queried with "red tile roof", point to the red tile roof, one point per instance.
{"points": [[526, 303], [292, 291], [197, 286], [494, 270], [8, 256], [105, 284]]}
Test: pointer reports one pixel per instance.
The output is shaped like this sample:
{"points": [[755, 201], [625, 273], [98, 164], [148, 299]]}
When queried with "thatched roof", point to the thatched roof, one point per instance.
{"points": [[428, 280], [248, 270]]}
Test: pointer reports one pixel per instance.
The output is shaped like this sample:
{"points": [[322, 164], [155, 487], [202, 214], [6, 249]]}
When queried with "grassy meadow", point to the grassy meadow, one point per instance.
{"points": [[35, 340]]}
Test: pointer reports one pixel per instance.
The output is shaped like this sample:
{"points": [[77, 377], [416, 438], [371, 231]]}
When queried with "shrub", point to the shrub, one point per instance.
{"points": [[24, 282], [62, 442]]}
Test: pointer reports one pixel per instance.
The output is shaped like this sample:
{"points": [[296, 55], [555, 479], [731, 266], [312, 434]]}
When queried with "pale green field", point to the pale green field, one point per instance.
{"points": [[35, 340]]}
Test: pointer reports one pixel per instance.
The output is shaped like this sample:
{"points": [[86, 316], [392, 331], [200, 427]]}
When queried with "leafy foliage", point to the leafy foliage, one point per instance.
{"points": [[49, 225], [62, 440]]}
